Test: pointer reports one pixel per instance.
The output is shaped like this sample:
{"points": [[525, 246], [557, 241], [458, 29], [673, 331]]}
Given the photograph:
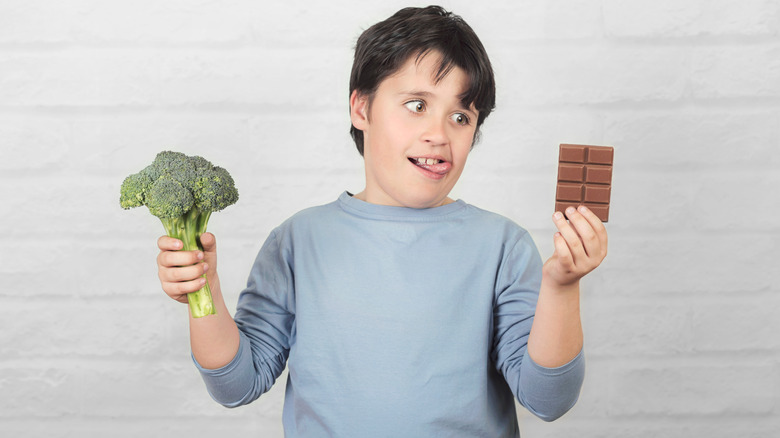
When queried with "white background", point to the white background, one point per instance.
{"points": [[681, 319]]}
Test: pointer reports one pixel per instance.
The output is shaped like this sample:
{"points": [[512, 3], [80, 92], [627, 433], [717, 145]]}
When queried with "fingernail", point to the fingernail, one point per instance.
{"points": [[569, 210], [200, 255], [205, 267], [582, 208], [558, 215], [202, 281]]}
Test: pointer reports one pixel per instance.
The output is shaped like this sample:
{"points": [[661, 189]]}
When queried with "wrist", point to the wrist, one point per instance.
{"points": [[550, 284]]}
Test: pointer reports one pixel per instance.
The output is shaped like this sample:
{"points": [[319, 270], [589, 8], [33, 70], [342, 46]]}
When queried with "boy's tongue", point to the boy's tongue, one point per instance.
{"points": [[439, 168]]}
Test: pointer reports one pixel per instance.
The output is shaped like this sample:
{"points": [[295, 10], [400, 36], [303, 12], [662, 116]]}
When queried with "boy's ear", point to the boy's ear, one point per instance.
{"points": [[358, 110]]}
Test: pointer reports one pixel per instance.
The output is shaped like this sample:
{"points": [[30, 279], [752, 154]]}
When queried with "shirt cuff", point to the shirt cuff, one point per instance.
{"points": [[228, 385], [563, 369], [550, 392]]}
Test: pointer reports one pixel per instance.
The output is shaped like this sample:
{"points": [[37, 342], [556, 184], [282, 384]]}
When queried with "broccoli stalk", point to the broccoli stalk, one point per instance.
{"points": [[188, 229], [182, 191]]}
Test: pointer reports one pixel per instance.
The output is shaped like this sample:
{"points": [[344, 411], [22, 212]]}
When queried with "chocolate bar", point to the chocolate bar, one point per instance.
{"points": [[584, 178]]}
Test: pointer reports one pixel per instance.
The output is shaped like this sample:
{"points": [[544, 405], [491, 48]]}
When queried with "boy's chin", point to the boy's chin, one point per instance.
{"points": [[421, 202], [415, 196]]}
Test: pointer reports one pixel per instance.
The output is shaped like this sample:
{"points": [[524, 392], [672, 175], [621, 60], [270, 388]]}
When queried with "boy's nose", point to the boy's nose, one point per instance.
{"points": [[435, 132]]}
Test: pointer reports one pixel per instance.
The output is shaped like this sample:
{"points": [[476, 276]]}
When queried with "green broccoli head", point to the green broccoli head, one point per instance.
{"points": [[175, 182]]}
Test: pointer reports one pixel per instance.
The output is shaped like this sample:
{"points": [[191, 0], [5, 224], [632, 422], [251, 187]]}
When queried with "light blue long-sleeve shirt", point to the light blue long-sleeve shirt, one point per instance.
{"points": [[395, 322]]}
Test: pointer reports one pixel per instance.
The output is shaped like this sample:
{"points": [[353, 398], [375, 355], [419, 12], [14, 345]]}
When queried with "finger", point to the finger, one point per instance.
{"points": [[598, 227], [183, 274], [562, 252], [569, 235], [166, 243], [178, 290], [584, 228], [179, 258]]}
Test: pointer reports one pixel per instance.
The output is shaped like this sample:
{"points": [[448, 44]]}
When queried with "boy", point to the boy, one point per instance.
{"points": [[398, 310]]}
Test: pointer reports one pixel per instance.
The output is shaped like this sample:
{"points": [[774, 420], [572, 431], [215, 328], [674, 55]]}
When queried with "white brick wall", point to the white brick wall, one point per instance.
{"points": [[681, 324]]}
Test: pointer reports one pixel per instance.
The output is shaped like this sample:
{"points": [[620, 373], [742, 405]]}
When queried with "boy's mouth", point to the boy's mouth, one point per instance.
{"points": [[432, 167]]}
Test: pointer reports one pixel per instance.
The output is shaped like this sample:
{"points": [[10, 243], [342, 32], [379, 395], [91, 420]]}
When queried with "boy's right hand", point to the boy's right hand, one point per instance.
{"points": [[181, 272]]}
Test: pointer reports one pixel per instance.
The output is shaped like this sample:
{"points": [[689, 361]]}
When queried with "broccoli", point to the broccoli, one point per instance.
{"points": [[182, 191]]}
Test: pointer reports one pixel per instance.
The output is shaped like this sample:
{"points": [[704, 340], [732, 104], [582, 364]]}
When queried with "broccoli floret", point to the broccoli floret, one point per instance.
{"points": [[134, 189], [182, 191]]}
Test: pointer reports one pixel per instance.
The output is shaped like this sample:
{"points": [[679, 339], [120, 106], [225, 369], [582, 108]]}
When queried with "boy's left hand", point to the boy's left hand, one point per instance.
{"points": [[580, 246]]}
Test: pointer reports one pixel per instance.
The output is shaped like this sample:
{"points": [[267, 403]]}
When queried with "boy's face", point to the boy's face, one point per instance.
{"points": [[417, 135]]}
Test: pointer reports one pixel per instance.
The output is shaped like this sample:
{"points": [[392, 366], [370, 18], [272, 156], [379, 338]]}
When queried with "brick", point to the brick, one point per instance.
{"points": [[123, 145], [28, 391], [173, 387], [742, 201], [145, 21], [500, 21], [252, 78], [35, 21], [68, 388], [168, 390], [63, 205], [68, 327], [168, 23], [38, 144], [638, 327], [315, 144], [692, 18], [651, 427], [78, 78], [46, 268], [730, 197], [247, 424], [301, 24], [736, 72], [575, 74], [283, 193], [684, 263], [739, 324], [633, 191], [694, 387], [178, 23], [527, 141], [744, 139]]}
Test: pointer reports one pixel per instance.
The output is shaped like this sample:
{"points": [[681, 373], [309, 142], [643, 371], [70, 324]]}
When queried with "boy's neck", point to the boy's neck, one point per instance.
{"points": [[363, 197]]}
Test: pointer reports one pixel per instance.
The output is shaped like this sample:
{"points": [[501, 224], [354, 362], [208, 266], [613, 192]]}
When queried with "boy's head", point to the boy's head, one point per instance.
{"points": [[384, 48]]}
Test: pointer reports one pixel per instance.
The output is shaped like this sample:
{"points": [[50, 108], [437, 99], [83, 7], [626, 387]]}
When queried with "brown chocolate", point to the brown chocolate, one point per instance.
{"points": [[584, 178]]}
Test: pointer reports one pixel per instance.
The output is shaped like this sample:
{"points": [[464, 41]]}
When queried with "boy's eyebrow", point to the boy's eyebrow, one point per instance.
{"points": [[419, 93]]}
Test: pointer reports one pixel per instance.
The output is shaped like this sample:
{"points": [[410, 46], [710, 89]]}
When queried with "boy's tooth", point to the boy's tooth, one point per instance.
{"points": [[428, 161]]}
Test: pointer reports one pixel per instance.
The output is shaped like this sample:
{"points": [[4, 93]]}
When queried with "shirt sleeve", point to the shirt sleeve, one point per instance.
{"points": [[548, 393], [265, 318]]}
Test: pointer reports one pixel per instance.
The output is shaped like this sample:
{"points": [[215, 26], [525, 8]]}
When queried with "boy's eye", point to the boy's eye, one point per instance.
{"points": [[460, 119], [415, 106]]}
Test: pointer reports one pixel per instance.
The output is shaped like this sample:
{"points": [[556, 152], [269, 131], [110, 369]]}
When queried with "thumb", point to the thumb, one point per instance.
{"points": [[209, 243]]}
